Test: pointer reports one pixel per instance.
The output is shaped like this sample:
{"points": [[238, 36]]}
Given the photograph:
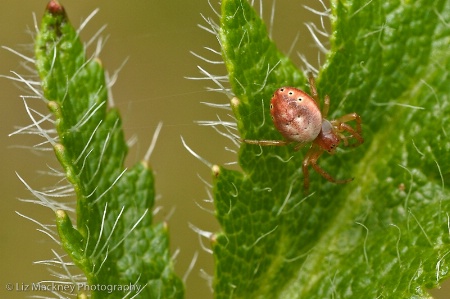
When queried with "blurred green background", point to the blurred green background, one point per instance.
{"points": [[156, 37]]}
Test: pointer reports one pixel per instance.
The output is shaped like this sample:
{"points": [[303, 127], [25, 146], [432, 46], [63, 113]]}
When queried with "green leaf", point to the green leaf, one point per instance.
{"points": [[384, 235], [114, 242]]}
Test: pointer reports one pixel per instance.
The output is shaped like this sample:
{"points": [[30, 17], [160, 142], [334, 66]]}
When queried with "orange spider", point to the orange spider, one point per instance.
{"points": [[297, 116]]}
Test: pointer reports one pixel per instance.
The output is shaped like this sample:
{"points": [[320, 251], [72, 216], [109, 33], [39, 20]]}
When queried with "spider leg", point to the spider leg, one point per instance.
{"points": [[266, 142], [326, 106], [315, 96], [344, 138], [311, 159], [299, 146], [349, 117], [313, 89], [311, 156], [341, 126], [354, 135], [305, 174], [327, 176]]}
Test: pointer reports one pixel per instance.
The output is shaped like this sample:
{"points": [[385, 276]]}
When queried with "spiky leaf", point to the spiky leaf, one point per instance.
{"points": [[114, 242], [384, 235]]}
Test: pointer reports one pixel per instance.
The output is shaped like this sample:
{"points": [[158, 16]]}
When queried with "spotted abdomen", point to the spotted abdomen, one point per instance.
{"points": [[295, 114]]}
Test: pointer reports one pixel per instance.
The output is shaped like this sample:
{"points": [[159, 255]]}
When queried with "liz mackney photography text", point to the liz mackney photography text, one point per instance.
{"points": [[72, 288]]}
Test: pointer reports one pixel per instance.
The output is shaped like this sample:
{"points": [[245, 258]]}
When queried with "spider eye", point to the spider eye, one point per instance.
{"points": [[300, 99], [290, 93], [271, 106]]}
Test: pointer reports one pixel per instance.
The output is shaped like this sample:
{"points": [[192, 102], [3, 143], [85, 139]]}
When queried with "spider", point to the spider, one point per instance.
{"points": [[297, 116]]}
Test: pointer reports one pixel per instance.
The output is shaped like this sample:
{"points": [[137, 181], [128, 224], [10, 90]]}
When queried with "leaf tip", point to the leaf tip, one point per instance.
{"points": [[145, 164], [213, 239], [55, 8], [165, 226], [235, 102], [82, 296], [55, 108], [99, 62], [60, 214], [215, 170]]}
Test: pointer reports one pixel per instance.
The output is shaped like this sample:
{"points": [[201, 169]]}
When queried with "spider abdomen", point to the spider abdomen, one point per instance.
{"points": [[295, 114]]}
